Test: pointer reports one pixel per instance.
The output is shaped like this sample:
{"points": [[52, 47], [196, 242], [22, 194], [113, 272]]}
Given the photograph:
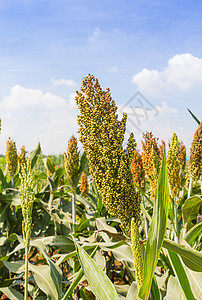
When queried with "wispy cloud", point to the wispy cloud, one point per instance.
{"points": [[96, 33], [62, 81], [113, 69]]}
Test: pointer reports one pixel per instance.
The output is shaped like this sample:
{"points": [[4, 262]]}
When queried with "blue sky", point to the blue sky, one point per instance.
{"points": [[47, 46]]}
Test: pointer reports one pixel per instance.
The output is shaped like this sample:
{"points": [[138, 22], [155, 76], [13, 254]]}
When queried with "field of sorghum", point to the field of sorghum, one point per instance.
{"points": [[108, 223]]}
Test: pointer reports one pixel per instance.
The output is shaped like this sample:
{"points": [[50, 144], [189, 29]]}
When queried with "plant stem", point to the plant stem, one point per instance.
{"points": [[74, 209], [13, 186], [176, 221], [26, 272], [145, 220], [137, 254], [190, 188]]}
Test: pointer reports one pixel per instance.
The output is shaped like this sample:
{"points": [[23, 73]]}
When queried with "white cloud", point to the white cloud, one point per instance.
{"points": [[21, 98], [183, 72], [30, 115], [62, 81]]}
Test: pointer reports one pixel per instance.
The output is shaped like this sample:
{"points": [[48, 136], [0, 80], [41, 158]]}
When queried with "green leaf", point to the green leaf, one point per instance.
{"points": [[195, 279], [191, 257], [181, 275], [16, 267], [56, 241], [157, 230], [11, 293], [132, 292], [195, 118], [193, 234], [44, 280], [190, 210], [77, 279], [173, 290], [34, 155], [155, 290], [11, 199], [49, 165], [101, 285]]}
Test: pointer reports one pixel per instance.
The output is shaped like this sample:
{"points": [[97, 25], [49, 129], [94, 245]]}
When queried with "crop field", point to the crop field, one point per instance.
{"points": [[108, 222]]}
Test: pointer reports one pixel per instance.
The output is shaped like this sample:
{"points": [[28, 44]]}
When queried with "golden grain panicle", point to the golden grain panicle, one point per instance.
{"points": [[174, 166], [195, 161], [27, 196], [11, 157], [71, 159], [102, 136]]}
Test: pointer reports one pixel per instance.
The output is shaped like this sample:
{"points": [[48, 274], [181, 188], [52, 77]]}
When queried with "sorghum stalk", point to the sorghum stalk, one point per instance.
{"points": [[137, 255], [11, 157], [150, 160], [12, 163], [71, 162], [84, 184], [162, 148], [173, 168], [195, 161], [27, 195], [22, 157], [102, 136], [139, 178], [138, 170]]}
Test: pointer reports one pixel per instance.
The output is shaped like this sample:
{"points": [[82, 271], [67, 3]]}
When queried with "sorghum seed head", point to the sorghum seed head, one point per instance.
{"points": [[11, 156]]}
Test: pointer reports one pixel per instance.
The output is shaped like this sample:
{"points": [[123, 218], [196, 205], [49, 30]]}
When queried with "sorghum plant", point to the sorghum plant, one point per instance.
{"points": [[195, 161], [102, 135], [162, 148], [71, 162], [11, 157], [84, 184], [27, 196], [174, 178], [22, 157], [182, 156], [150, 159], [173, 166], [71, 159], [138, 170]]}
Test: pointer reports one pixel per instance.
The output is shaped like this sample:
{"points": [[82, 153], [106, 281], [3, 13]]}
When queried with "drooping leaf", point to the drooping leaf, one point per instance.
{"points": [[101, 285], [191, 257], [193, 234], [190, 210], [157, 230], [34, 155], [44, 280]]}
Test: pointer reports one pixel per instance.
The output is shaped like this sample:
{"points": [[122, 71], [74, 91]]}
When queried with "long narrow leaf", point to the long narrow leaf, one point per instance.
{"points": [[11, 293], [34, 155], [77, 279], [157, 230], [195, 118], [181, 275], [101, 285]]}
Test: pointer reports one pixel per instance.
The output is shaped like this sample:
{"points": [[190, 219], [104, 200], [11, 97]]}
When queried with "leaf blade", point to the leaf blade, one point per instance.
{"points": [[157, 230]]}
